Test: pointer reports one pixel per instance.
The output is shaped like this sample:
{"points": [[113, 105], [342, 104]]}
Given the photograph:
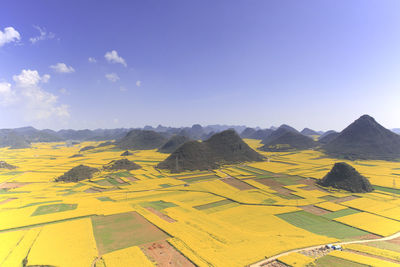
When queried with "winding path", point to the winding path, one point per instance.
{"points": [[271, 259]]}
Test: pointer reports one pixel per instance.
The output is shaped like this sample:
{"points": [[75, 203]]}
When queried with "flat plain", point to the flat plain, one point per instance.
{"points": [[233, 216]]}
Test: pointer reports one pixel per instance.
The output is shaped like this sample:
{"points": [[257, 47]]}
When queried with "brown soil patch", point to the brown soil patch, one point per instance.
{"points": [[165, 255], [11, 185], [119, 180], [237, 183], [316, 252], [343, 199], [314, 210], [395, 241], [161, 215], [310, 184], [97, 190], [274, 185], [132, 179], [7, 200]]}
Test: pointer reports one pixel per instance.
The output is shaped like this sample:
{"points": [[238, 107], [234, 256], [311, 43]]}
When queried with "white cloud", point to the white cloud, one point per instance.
{"points": [[9, 35], [62, 68], [7, 95], [113, 57], [112, 77], [138, 83], [44, 35], [29, 78], [92, 60], [37, 103]]}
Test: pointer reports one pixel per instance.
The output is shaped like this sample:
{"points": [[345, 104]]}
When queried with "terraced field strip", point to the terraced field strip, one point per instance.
{"points": [[200, 178], [124, 230], [47, 209], [320, 225], [213, 204]]}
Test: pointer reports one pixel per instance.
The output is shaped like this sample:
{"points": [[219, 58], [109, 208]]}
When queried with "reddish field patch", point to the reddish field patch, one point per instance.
{"points": [[165, 255], [395, 241], [237, 183], [7, 200], [161, 215], [274, 185], [97, 190], [11, 185], [132, 178], [343, 199], [314, 210]]}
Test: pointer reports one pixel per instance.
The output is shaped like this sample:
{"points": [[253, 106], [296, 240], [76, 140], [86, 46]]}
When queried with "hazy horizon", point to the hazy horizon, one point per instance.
{"points": [[102, 64]]}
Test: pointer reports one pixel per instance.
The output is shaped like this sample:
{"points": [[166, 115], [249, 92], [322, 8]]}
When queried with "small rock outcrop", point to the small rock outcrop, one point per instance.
{"points": [[77, 174], [5, 165], [126, 153], [121, 164], [344, 176]]}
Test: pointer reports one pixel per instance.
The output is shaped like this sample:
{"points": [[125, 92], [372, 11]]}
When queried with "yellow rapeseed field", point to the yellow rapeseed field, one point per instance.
{"points": [[296, 259], [68, 243], [132, 256], [371, 223], [369, 261]]}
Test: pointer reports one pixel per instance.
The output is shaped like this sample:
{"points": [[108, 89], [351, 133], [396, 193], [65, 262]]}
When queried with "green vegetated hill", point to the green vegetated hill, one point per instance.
{"points": [[222, 148], [141, 139], [343, 176], [365, 139], [173, 143]]}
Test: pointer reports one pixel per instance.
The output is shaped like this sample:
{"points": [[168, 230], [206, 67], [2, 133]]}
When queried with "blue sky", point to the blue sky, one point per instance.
{"points": [[317, 64]]}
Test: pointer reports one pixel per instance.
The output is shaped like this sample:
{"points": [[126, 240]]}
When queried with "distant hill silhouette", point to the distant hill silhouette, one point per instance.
{"points": [[5, 165], [141, 139], [247, 132], [77, 174], [260, 134], [76, 156], [309, 132], [283, 129], [396, 130], [326, 138], [289, 140], [13, 140], [222, 148], [343, 176], [121, 164], [173, 143], [87, 148], [365, 139], [126, 153], [326, 133], [107, 143]]}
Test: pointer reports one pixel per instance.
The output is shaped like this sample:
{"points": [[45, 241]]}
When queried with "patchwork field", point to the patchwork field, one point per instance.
{"points": [[234, 216]]}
